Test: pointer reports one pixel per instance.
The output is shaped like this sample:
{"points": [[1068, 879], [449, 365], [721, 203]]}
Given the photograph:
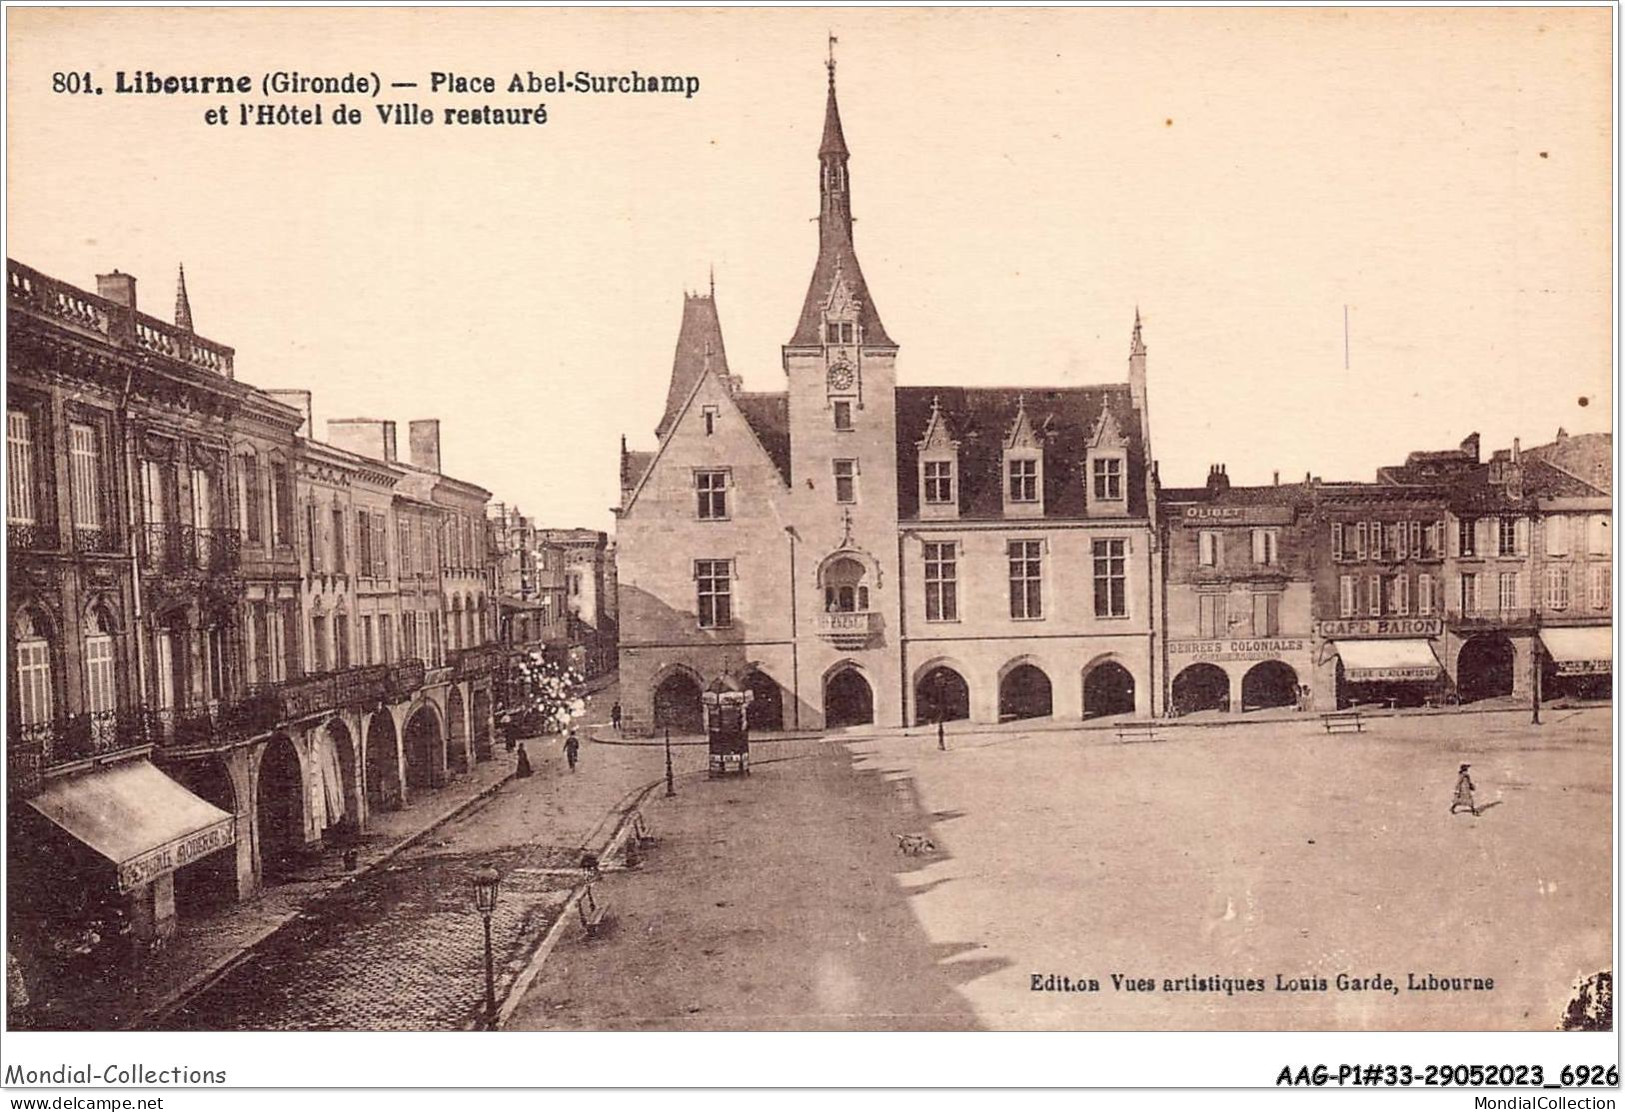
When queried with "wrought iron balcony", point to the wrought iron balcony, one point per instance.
{"points": [[30, 536], [847, 629], [177, 549], [101, 539], [361, 686], [477, 660], [403, 678], [37, 747]]}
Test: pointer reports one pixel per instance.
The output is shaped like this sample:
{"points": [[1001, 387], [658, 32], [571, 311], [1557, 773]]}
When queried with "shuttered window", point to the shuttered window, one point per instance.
{"points": [[34, 697], [1347, 604], [101, 691], [84, 469], [19, 467]]}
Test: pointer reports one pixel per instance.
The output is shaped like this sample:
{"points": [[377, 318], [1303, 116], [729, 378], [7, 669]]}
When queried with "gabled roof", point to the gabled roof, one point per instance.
{"points": [[1588, 457], [1061, 420], [768, 415]]}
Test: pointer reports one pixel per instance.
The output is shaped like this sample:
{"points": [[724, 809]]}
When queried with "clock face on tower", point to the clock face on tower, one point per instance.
{"points": [[840, 378]]}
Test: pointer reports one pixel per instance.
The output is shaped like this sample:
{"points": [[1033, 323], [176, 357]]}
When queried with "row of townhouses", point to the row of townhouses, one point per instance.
{"points": [[231, 644], [852, 550]]}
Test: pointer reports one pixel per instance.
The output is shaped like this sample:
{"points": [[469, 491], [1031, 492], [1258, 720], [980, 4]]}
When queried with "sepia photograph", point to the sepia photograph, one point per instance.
{"points": [[793, 520]]}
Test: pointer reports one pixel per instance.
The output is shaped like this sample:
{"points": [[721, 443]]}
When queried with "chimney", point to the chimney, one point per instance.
{"points": [[300, 400], [364, 436], [1277, 479], [117, 287], [1517, 453], [424, 444], [1562, 433], [1217, 481], [1470, 447]]}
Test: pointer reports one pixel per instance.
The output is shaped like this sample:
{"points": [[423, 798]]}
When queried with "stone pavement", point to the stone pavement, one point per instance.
{"points": [[401, 948], [784, 901]]}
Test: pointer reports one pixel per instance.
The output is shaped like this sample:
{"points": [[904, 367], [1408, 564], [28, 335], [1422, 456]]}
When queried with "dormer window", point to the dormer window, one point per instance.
{"points": [[1106, 465], [1023, 467], [939, 468]]}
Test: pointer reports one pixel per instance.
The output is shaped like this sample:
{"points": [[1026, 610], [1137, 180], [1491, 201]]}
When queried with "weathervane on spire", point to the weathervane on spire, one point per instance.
{"points": [[830, 64]]}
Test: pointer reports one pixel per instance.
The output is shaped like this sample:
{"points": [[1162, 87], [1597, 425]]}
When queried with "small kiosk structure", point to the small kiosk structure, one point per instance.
{"points": [[727, 729]]}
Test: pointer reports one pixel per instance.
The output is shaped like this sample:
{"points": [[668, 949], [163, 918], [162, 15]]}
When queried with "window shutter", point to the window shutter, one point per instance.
{"points": [[1484, 537], [1374, 595], [1452, 538], [1520, 536], [1416, 539], [1359, 540], [1337, 540], [1402, 594], [1456, 593], [1403, 548]]}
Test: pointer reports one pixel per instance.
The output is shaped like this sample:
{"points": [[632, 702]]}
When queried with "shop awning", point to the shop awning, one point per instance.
{"points": [[1580, 650], [137, 818], [1386, 661]]}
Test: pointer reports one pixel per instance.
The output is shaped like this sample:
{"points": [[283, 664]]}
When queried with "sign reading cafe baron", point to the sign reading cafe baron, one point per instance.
{"points": [[1349, 628]]}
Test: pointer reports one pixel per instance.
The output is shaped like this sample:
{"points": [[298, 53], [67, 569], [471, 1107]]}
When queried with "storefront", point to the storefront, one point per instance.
{"points": [[145, 826], [1381, 661], [1579, 661], [1238, 673]]}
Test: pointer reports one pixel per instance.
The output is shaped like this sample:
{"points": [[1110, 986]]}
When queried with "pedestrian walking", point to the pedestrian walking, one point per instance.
{"points": [[572, 746], [1464, 792], [615, 716], [523, 767]]}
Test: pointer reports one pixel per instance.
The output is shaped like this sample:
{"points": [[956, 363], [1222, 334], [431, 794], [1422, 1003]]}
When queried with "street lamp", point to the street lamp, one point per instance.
{"points": [[670, 790], [941, 745], [486, 882]]}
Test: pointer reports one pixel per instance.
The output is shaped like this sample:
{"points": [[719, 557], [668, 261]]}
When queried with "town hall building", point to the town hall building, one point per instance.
{"points": [[854, 551]]}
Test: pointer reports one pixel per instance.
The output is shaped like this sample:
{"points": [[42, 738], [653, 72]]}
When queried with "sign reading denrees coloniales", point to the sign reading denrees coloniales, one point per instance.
{"points": [[1269, 648]]}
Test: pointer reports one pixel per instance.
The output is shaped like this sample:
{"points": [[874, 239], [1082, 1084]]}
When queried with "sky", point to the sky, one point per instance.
{"points": [[1022, 181]]}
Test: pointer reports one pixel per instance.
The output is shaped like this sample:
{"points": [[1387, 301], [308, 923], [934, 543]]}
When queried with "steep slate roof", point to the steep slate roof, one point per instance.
{"points": [[1545, 480], [979, 419], [1588, 457], [633, 466], [699, 341], [769, 418]]}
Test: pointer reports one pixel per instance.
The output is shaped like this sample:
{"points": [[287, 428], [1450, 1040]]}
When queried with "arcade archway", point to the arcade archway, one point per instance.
{"points": [[767, 701], [1108, 688], [941, 695], [1024, 692], [280, 802], [677, 704], [1484, 668], [457, 755], [1269, 683], [383, 764], [1201, 687], [425, 750], [848, 699]]}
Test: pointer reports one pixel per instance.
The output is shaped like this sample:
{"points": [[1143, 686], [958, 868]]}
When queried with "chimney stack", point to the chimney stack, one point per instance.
{"points": [[300, 400], [424, 444], [364, 436], [117, 287], [1217, 481], [1470, 446], [1277, 479]]}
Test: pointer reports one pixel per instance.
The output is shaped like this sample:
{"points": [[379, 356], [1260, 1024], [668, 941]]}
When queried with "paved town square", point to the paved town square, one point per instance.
{"points": [[1263, 850]]}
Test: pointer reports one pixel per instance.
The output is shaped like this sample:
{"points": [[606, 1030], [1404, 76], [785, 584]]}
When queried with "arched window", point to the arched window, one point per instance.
{"points": [[844, 588], [36, 696]]}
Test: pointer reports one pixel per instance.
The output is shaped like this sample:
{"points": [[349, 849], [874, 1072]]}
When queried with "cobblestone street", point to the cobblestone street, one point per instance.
{"points": [[402, 947]]}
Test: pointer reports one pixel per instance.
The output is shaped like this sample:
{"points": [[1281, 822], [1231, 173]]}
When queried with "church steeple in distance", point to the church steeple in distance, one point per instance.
{"points": [[837, 263]]}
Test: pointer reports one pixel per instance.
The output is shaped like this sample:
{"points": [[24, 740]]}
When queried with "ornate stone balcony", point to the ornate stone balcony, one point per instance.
{"points": [[847, 629], [172, 549]]}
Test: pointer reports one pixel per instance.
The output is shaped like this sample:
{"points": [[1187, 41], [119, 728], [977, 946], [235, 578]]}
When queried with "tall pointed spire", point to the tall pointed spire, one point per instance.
{"points": [[183, 305], [1137, 344], [700, 352], [837, 273]]}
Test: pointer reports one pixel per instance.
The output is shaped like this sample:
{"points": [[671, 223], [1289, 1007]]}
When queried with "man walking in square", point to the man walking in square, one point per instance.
{"points": [[1464, 792]]}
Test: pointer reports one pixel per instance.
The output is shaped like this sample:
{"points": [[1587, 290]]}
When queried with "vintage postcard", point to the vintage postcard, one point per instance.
{"points": [[764, 520]]}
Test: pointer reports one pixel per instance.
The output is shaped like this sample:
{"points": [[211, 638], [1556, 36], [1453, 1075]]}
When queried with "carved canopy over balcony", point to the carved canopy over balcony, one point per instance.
{"points": [[171, 549]]}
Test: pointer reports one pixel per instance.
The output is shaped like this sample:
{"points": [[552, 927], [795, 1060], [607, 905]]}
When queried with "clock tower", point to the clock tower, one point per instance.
{"points": [[841, 370]]}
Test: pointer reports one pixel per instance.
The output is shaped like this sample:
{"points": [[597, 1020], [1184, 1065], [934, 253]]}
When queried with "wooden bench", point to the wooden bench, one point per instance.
{"points": [[592, 912], [1342, 721], [1137, 731], [640, 829]]}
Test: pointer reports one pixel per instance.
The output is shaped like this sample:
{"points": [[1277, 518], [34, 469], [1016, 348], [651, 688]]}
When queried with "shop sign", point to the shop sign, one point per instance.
{"points": [[1273, 648], [1584, 667], [1197, 516], [1400, 672], [1379, 627], [177, 854]]}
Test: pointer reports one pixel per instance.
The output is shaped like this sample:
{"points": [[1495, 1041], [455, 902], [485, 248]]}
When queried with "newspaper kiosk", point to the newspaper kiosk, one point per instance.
{"points": [[727, 729]]}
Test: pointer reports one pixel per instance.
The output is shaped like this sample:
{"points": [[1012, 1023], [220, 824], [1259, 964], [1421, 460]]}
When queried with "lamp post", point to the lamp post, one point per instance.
{"points": [[1534, 679], [670, 790], [942, 745], [486, 882]]}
